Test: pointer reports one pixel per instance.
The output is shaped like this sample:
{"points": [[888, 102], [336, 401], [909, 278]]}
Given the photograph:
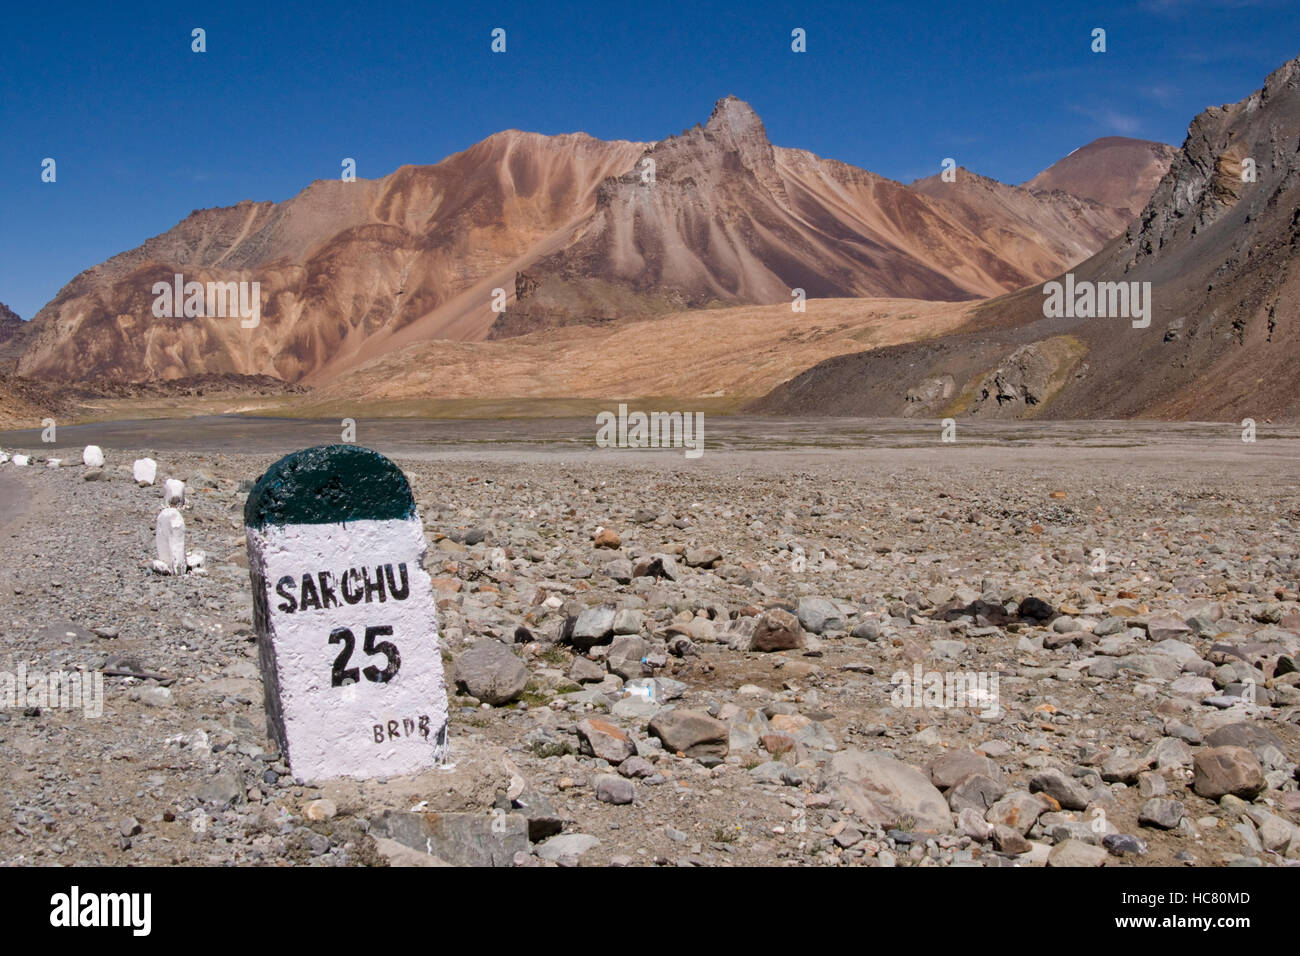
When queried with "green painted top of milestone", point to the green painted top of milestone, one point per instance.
{"points": [[329, 484]]}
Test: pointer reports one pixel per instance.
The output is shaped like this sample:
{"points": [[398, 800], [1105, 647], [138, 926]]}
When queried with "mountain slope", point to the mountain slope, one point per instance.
{"points": [[1115, 171], [1223, 343], [351, 272], [340, 265], [730, 218]]}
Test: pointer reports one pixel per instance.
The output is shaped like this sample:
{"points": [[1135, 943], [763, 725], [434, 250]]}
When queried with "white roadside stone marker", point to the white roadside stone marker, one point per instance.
{"points": [[174, 492], [21, 461], [170, 540], [53, 462], [346, 621], [92, 457], [4, 457], [144, 471]]}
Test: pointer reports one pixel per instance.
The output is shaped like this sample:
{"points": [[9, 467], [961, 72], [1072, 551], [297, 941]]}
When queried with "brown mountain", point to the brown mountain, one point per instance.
{"points": [[1219, 251], [13, 338], [344, 267], [350, 272], [1114, 171], [11, 325], [729, 219]]}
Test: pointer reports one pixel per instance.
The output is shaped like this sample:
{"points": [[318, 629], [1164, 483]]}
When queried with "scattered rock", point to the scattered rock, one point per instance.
{"points": [[777, 630], [491, 673], [691, 732], [1227, 770]]}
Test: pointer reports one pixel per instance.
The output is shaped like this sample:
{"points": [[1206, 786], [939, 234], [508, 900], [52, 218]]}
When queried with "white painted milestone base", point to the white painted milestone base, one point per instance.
{"points": [[92, 456], [170, 540], [369, 728], [144, 471], [174, 492]]}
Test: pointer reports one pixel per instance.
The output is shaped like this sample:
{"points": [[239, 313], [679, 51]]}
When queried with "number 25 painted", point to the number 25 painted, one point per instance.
{"points": [[344, 675]]}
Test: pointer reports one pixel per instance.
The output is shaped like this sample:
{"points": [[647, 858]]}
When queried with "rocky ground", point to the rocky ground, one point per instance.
{"points": [[698, 663]]}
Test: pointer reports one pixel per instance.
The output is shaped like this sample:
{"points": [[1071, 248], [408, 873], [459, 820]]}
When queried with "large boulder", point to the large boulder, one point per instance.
{"points": [[1218, 771], [593, 625], [490, 672], [818, 614], [691, 732], [884, 791]]}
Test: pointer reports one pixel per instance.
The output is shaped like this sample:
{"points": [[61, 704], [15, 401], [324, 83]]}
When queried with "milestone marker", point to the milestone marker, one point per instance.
{"points": [[143, 471], [345, 615], [174, 492], [169, 538]]}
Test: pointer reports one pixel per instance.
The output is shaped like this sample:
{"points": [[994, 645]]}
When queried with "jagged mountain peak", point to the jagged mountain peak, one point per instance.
{"points": [[732, 115]]}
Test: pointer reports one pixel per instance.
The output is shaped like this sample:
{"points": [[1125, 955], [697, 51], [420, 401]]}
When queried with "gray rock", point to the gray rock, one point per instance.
{"points": [[619, 569], [1120, 844], [818, 615], [491, 672], [953, 767], [887, 792], [1164, 628], [976, 792], [627, 621], [703, 557], [1069, 793], [593, 625], [584, 671], [1162, 813], [1076, 853], [461, 839], [222, 788], [399, 855], [866, 631], [1242, 735], [543, 819], [637, 767], [613, 789], [567, 848], [691, 732], [626, 657], [1123, 769], [771, 772], [1274, 833], [1162, 666], [746, 727], [635, 707]]}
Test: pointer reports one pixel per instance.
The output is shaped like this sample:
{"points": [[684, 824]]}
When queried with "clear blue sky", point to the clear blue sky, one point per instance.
{"points": [[144, 131]]}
